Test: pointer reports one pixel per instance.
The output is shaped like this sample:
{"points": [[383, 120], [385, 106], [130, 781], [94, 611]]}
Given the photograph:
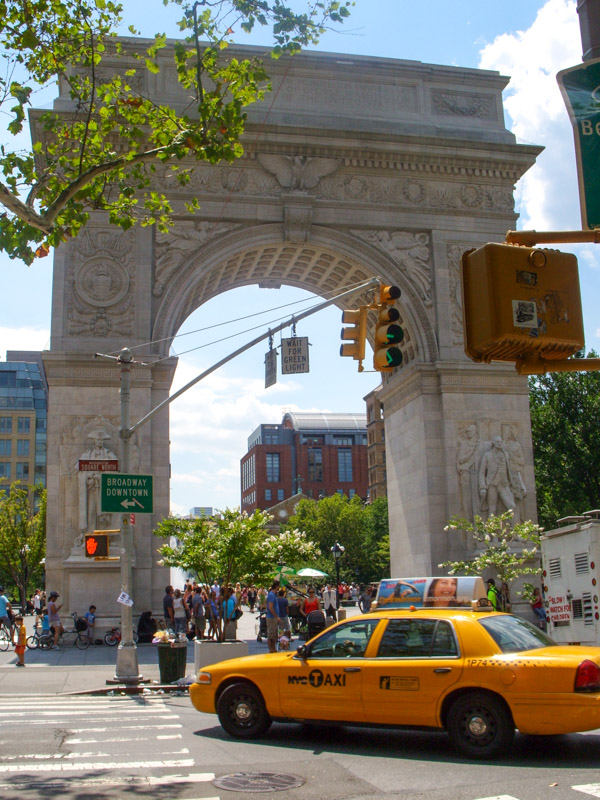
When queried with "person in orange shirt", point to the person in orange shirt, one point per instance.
{"points": [[21, 631]]}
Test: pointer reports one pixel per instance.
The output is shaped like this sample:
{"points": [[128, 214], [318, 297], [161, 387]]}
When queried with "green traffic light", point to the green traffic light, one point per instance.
{"points": [[393, 357], [394, 334]]}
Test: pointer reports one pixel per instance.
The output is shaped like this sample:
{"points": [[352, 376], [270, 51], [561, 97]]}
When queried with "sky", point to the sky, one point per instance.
{"points": [[528, 40]]}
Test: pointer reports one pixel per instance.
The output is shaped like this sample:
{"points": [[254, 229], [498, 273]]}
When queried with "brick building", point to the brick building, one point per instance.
{"points": [[315, 454]]}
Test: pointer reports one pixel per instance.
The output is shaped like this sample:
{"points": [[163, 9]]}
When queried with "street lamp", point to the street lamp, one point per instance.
{"points": [[337, 551]]}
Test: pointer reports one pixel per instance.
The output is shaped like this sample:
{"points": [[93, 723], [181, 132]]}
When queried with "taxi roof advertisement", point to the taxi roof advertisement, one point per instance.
{"points": [[447, 591]]}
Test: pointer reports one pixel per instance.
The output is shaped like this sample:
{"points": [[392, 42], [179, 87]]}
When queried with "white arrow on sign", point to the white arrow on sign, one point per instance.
{"points": [[130, 503]]}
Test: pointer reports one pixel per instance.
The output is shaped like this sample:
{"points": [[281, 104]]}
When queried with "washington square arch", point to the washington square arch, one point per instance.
{"points": [[355, 167]]}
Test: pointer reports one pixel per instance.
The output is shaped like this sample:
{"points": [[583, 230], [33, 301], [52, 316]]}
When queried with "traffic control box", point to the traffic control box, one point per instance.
{"points": [[520, 303]]}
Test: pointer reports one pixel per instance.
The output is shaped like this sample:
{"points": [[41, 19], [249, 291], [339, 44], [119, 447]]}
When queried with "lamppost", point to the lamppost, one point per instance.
{"points": [[337, 551]]}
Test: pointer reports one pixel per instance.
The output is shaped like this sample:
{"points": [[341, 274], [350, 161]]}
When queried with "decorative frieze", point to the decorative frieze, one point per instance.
{"points": [[464, 104]]}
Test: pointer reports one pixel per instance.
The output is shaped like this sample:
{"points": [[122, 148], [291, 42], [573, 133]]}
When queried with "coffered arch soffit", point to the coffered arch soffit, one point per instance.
{"points": [[329, 262]]}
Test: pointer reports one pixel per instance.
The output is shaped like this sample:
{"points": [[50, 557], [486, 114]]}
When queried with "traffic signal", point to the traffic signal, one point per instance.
{"points": [[96, 545], [354, 336], [388, 334], [520, 304]]}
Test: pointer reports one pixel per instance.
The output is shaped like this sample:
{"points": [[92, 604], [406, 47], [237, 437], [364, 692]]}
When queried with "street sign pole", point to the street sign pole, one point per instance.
{"points": [[127, 670]]}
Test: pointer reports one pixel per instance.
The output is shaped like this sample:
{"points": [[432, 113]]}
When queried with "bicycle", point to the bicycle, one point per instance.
{"points": [[79, 640], [41, 639], [113, 637], [5, 641]]}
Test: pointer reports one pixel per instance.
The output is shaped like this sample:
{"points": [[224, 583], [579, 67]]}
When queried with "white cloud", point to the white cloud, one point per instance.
{"points": [[548, 192], [23, 338]]}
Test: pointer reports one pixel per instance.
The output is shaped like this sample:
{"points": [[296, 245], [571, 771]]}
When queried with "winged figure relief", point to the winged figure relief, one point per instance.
{"points": [[298, 172]]}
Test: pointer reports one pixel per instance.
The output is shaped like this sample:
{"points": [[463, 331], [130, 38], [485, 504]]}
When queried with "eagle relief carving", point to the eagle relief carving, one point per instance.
{"points": [[298, 172]]}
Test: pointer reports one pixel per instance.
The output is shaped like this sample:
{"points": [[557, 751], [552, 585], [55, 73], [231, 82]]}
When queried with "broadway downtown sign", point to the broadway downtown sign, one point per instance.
{"points": [[126, 493]]}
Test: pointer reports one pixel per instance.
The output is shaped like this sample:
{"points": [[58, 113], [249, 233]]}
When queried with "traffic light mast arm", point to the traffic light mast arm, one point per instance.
{"points": [[531, 238]]}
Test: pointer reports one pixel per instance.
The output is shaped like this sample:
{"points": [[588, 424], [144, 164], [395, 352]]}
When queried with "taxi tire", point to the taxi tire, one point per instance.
{"points": [[494, 720], [242, 711]]}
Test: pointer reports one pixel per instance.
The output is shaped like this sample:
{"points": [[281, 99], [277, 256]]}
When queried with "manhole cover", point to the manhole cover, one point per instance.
{"points": [[258, 782]]}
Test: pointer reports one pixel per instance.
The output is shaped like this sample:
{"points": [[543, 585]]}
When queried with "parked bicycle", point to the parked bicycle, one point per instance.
{"points": [[113, 637]]}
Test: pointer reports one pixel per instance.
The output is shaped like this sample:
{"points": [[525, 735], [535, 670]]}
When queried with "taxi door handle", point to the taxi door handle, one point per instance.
{"points": [[351, 669], [441, 670]]}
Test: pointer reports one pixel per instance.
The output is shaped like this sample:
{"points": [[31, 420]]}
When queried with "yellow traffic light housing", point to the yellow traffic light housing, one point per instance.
{"points": [[386, 355], [520, 304], [96, 545], [355, 335]]}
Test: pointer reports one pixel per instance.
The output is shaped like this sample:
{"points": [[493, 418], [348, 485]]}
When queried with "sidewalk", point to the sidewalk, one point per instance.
{"points": [[72, 670]]}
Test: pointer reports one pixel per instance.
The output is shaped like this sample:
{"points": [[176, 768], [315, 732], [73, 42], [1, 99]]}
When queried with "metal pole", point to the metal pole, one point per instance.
{"points": [[589, 25], [127, 670]]}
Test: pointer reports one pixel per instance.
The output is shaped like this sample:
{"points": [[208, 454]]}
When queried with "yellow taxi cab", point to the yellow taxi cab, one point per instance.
{"points": [[473, 672]]}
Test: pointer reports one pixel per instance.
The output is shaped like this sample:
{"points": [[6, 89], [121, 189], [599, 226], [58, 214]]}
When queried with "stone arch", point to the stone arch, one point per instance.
{"points": [[325, 264]]}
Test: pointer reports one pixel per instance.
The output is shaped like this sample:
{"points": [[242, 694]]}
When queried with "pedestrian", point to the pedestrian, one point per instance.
{"points": [[229, 620], [198, 612], [252, 594], [310, 603], [180, 612], [211, 611], [365, 600], [90, 619], [272, 617], [168, 608], [21, 640], [146, 627], [330, 602], [54, 618], [537, 607], [493, 594], [5, 614], [283, 607]]}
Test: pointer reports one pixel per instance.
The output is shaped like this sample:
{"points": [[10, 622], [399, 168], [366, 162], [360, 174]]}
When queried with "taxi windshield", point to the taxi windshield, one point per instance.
{"points": [[515, 635]]}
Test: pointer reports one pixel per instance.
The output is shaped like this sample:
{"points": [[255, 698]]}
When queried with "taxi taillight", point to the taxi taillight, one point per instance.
{"points": [[587, 678]]}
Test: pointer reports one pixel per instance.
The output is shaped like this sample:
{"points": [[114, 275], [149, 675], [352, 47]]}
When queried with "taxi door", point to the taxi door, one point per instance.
{"points": [[327, 683], [417, 661]]}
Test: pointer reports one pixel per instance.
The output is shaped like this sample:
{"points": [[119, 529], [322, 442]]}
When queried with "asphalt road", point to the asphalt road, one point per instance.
{"points": [[158, 746]]}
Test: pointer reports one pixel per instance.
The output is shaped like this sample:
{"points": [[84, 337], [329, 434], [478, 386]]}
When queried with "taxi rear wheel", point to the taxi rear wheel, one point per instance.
{"points": [[242, 711], [479, 725]]}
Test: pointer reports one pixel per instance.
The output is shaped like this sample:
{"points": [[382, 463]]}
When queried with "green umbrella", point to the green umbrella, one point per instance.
{"points": [[283, 574]]}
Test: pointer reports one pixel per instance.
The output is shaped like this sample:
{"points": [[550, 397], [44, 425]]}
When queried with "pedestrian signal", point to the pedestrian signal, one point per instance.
{"points": [[520, 304], [96, 545]]}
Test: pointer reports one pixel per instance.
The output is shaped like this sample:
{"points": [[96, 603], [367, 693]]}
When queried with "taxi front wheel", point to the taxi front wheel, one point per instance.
{"points": [[242, 712], [480, 725]]}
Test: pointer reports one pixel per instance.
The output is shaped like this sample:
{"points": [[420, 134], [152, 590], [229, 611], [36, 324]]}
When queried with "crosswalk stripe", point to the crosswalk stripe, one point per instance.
{"points": [[592, 789], [125, 728], [45, 722], [87, 766], [123, 739], [499, 797], [57, 712], [128, 780], [68, 756]]}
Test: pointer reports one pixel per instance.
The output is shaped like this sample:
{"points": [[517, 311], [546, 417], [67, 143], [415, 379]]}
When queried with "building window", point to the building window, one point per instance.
{"points": [[5, 447], [22, 471], [315, 464], [344, 465], [267, 494], [5, 469], [273, 474], [352, 492], [312, 440], [340, 492], [22, 447], [23, 424], [5, 424], [343, 440], [280, 494]]}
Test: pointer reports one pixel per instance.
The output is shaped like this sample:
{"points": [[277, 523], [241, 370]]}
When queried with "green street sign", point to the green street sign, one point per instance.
{"points": [[580, 87], [131, 493]]}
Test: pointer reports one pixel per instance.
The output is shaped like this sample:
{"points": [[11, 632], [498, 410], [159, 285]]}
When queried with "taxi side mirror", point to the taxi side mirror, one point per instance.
{"points": [[302, 651]]}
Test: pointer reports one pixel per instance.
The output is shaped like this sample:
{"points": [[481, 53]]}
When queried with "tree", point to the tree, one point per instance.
{"points": [[233, 546], [22, 535], [565, 426], [102, 153], [361, 529], [499, 547]]}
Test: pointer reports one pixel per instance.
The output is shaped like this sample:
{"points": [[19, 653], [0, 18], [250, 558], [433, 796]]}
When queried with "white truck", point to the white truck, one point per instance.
{"points": [[571, 575]]}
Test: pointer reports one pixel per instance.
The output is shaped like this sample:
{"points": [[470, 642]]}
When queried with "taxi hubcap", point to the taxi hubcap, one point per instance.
{"points": [[243, 711], [477, 726]]}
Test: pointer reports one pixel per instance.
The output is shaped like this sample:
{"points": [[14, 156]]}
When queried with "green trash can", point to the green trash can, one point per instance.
{"points": [[172, 659]]}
